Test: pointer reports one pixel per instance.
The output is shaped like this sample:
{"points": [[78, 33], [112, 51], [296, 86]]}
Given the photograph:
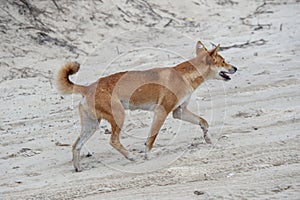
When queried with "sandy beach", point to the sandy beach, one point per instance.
{"points": [[254, 118]]}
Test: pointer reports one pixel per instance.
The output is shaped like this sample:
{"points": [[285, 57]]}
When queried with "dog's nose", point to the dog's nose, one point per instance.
{"points": [[233, 70]]}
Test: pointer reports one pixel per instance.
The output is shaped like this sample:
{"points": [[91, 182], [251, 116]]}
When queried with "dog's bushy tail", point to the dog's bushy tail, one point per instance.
{"points": [[64, 84]]}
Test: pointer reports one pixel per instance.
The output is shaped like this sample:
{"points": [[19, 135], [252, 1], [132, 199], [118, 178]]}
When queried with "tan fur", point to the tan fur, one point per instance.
{"points": [[162, 90], [65, 85]]}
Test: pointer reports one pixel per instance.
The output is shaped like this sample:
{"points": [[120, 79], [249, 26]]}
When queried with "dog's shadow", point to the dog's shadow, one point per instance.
{"points": [[160, 157]]}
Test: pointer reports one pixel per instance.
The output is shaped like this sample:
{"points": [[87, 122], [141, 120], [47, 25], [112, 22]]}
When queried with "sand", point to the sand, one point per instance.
{"points": [[254, 118]]}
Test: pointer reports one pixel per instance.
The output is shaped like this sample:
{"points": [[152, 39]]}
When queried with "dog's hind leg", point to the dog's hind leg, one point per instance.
{"points": [[88, 128], [184, 114]]}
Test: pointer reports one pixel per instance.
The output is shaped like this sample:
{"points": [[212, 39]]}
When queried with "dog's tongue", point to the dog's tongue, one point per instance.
{"points": [[224, 74]]}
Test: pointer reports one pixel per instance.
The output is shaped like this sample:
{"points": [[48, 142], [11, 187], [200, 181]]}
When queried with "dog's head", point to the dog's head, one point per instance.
{"points": [[219, 67]]}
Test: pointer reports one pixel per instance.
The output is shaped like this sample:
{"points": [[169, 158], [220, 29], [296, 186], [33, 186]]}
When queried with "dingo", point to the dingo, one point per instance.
{"points": [[162, 90]]}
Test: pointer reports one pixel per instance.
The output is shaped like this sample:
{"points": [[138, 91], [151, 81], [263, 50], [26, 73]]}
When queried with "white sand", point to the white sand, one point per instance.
{"points": [[254, 119]]}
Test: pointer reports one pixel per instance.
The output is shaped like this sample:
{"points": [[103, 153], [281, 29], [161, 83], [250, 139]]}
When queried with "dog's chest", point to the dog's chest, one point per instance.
{"points": [[183, 100]]}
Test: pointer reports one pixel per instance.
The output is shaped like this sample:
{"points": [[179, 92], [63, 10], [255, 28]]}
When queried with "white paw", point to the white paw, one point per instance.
{"points": [[78, 169], [131, 157], [148, 155], [207, 139]]}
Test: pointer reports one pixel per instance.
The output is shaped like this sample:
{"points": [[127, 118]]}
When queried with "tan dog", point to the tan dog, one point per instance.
{"points": [[162, 90]]}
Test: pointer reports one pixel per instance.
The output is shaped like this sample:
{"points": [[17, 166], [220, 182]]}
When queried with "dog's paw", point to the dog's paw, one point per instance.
{"points": [[148, 155], [78, 169], [207, 139], [131, 157]]}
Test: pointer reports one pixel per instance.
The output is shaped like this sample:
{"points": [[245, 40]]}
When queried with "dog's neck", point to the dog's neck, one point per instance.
{"points": [[195, 71]]}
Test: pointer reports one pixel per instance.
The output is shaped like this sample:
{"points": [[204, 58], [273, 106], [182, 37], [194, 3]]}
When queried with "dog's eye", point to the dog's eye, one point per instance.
{"points": [[223, 61]]}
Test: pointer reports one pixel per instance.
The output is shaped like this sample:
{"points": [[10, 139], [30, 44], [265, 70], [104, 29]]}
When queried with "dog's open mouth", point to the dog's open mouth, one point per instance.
{"points": [[224, 75]]}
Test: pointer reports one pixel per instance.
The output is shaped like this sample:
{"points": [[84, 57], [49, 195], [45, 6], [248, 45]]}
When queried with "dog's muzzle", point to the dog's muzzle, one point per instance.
{"points": [[224, 74]]}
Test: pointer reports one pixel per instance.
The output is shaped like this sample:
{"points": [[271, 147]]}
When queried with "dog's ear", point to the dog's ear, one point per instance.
{"points": [[214, 52], [209, 60], [200, 47]]}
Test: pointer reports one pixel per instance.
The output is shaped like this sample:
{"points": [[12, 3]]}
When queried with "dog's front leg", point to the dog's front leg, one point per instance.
{"points": [[158, 120], [184, 114]]}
